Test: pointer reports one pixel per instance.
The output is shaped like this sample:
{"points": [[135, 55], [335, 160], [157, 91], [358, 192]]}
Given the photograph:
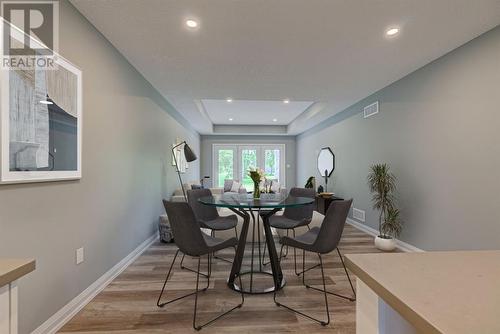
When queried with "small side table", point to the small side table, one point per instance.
{"points": [[322, 203]]}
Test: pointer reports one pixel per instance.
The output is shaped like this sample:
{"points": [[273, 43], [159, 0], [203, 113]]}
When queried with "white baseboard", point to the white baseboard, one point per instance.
{"points": [[61, 317], [405, 247]]}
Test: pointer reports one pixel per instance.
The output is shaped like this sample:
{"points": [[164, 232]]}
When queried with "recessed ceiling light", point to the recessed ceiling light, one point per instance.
{"points": [[46, 102], [286, 101], [230, 119], [191, 23], [229, 100], [275, 119], [392, 31]]}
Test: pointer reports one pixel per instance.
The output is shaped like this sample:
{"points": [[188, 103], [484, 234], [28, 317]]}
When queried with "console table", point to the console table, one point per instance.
{"points": [[10, 271], [322, 203]]}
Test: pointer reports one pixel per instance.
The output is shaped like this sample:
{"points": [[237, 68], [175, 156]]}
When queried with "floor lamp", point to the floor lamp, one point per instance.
{"points": [[189, 155]]}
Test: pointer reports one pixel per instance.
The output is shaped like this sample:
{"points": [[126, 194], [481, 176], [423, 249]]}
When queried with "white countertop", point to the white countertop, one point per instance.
{"points": [[437, 292]]}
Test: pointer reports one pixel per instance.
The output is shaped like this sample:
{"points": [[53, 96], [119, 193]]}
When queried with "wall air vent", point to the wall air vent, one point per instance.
{"points": [[371, 109], [358, 214]]}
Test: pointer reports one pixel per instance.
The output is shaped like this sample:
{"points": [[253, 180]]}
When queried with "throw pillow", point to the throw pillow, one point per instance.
{"points": [[227, 185], [275, 187], [235, 187]]}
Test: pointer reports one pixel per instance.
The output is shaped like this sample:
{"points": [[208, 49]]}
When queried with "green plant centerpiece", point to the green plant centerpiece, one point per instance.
{"points": [[257, 175], [382, 184]]}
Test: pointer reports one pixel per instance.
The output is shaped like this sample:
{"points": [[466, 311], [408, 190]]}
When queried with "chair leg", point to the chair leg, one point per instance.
{"points": [[323, 323], [166, 280], [218, 257], [192, 270], [303, 256], [281, 255], [347, 273], [198, 327], [324, 290]]}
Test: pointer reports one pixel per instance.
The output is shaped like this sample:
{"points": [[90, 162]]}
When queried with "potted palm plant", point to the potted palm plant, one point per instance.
{"points": [[382, 184]]}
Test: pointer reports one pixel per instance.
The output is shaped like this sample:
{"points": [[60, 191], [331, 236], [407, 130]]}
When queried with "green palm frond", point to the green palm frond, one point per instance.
{"points": [[382, 183]]}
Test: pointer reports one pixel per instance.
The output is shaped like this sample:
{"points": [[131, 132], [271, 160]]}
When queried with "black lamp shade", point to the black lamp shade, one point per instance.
{"points": [[189, 154]]}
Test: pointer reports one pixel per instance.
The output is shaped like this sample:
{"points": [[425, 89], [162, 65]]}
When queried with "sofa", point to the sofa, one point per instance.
{"points": [[178, 196]]}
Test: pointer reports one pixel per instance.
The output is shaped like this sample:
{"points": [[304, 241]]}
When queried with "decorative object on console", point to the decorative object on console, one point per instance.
{"points": [[320, 189], [326, 164], [189, 156], [382, 185], [311, 182], [41, 123], [257, 175]]}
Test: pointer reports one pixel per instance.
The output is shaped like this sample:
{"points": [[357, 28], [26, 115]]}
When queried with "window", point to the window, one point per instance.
{"points": [[234, 161], [226, 166]]}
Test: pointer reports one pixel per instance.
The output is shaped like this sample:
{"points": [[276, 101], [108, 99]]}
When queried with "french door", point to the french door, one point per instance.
{"points": [[234, 161]]}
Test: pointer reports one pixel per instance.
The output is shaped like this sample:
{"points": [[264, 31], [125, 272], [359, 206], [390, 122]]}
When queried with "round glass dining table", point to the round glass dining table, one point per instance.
{"points": [[245, 206]]}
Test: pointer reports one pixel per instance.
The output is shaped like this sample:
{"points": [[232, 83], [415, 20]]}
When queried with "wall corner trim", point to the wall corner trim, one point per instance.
{"points": [[68, 311], [405, 247]]}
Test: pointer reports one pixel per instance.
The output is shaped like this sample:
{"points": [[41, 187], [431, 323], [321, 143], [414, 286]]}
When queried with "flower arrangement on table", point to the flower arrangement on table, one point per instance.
{"points": [[257, 175]]}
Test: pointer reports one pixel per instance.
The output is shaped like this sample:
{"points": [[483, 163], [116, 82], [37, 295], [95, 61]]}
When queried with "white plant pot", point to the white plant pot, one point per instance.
{"points": [[386, 245]]}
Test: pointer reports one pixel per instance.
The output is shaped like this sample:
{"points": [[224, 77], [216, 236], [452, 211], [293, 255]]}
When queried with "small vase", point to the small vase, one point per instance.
{"points": [[256, 190]]}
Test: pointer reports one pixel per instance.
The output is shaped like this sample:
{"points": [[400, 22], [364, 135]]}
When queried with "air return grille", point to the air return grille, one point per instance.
{"points": [[358, 214], [371, 109]]}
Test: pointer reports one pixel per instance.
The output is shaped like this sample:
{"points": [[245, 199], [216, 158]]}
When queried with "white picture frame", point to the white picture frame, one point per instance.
{"points": [[27, 176]]}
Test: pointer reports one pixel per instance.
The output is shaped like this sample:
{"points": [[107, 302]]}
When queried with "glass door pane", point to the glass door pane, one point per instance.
{"points": [[248, 160], [224, 164], [272, 164]]}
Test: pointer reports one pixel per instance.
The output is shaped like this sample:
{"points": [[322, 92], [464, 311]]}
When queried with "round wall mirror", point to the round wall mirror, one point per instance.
{"points": [[326, 162]]}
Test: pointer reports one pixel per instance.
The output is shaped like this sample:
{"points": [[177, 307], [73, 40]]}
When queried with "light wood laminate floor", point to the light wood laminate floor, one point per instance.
{"points": [[128, 304]]}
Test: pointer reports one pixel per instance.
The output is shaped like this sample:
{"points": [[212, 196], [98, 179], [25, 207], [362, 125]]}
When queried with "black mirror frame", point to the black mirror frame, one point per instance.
{"points": [[333, 157]]}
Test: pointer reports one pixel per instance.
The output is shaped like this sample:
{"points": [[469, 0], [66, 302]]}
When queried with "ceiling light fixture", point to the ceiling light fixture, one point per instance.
{"points": [[392, 31], [230, 120], [46, 102], [191, 23], [229, 100], [275, 119], [286, 101]]}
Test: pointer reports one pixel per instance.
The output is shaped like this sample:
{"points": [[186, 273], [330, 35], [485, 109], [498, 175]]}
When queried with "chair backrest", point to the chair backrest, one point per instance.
{"points": [[185, 228], [332, 226], [300, 212], [201, 211]]}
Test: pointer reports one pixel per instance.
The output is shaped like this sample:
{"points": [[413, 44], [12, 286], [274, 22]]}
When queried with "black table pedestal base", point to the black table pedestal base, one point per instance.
{"points": [[277, 275]]}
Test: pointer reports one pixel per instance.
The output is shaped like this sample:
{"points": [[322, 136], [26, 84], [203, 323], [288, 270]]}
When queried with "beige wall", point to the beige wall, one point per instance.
{"points": [[438, 129], [128, 129]]}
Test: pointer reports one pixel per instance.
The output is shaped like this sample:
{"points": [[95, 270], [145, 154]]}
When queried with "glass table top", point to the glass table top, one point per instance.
{"points": [[242, 201]]}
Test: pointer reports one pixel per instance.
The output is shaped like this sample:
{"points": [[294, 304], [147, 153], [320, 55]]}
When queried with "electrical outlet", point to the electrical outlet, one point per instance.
{"points": [[358, 214], [80, 255]]}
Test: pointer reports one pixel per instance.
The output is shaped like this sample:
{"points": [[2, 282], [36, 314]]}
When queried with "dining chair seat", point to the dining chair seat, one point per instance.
{"points": [[304, 241], [215, 244], [286, 223], [220, 223]]}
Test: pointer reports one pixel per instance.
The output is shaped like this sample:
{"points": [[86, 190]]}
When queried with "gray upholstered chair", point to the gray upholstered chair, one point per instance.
{"points": [[208, 217], [322, 240], [294, 217], [191, 241]]}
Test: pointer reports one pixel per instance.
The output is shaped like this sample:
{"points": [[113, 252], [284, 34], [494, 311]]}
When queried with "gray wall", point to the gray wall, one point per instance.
{"points": [[438, 128], [128, 129], [206, 151]]}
